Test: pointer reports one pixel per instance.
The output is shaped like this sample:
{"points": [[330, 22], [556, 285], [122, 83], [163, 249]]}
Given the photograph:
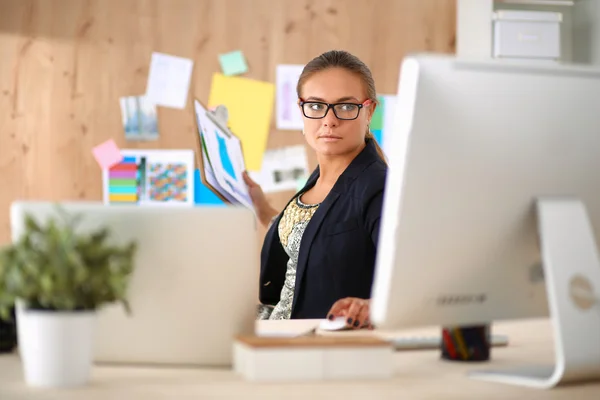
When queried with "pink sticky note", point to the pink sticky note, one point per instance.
{"points": [[107, 154]]}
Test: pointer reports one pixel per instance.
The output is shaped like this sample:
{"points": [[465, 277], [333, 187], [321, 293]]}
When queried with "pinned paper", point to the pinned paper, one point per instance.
{"points": [[250, 106], [107, 154], [169, 80], [300, 184], [377, 119], [283, 169], [383, 119], [203, 195], [139, 118], [151, 177], [289, 116], [388, 121], [233, 63]]}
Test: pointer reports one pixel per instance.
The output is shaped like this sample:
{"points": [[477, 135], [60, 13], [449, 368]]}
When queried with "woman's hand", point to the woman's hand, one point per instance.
{"points": [[263, 209], [354, 309]]}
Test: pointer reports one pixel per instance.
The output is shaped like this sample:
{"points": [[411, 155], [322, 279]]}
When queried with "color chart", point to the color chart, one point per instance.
{"points": [[124, 180], [151, 177], [168, 182]]}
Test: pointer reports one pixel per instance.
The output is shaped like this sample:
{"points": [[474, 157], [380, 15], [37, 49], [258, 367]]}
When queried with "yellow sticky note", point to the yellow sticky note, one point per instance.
{"points": [[250, 106]]}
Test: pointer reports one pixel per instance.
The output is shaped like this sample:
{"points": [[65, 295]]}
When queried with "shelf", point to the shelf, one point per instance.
{"points": [[580, 27]]}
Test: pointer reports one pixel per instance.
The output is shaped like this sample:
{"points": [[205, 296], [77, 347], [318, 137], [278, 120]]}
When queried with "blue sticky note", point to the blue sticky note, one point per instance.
{"points": [[233, 63], [203, 196]]}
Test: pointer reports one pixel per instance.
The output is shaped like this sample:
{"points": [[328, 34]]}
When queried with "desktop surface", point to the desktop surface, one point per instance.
{"points": [[417, 375]]}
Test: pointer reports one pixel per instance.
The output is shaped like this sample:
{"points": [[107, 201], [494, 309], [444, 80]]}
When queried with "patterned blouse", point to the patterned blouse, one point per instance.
{"points": [[291, 228]]}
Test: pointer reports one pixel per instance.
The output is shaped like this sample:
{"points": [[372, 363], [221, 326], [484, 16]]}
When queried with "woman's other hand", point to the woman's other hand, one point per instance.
{"points": [[263, 209], [355, 310]]}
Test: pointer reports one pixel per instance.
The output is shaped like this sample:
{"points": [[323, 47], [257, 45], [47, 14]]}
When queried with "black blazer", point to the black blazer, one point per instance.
{"points": [[337, 253]]}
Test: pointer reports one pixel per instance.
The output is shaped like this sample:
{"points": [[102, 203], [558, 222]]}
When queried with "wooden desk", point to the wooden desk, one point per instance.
{"points": [[419, 375]]}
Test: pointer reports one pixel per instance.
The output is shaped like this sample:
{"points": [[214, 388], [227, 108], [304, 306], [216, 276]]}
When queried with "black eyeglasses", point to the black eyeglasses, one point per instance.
{"points": [[345, 111]]}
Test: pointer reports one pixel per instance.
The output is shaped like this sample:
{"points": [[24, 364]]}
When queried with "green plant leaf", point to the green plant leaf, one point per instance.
{"points": [[61, 266]]}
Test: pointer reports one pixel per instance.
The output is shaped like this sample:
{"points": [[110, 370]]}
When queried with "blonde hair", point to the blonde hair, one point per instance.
{"points": [[351, 63]]}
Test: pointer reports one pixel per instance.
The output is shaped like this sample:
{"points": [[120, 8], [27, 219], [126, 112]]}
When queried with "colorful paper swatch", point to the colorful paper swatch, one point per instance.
{"points": [[168, 182], [124, 181], [151, 177]]}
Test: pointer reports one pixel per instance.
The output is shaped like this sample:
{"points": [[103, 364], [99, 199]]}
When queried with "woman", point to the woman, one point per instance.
{"points": [[318, 256]]}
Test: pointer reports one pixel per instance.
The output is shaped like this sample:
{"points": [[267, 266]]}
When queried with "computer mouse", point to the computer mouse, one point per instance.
{"points": [[336, 324]]}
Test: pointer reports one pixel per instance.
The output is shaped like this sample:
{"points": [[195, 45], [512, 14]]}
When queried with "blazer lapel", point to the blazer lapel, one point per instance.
{"points": [[364, 159], [308, 237]]}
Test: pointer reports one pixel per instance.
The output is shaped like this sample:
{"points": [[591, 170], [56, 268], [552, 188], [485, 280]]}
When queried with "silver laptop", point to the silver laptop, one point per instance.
{"points": [[194, 287]]}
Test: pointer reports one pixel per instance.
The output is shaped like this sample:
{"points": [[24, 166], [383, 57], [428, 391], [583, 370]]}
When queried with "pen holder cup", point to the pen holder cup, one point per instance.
{"points": [[8, 334], [470, 344]]}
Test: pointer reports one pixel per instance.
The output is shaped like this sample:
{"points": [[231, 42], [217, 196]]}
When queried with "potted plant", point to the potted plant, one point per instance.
{"points": [[57, 276]]}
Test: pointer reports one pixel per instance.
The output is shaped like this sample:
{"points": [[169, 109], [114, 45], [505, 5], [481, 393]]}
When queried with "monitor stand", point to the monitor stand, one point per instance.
{"points": [[572, 275]]}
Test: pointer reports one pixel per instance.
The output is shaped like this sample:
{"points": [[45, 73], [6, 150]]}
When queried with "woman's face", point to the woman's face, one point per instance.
{"points": [[333, 136]]}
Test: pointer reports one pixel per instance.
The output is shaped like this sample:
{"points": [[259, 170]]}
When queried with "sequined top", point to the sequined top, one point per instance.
{"points": [[291, 227]]}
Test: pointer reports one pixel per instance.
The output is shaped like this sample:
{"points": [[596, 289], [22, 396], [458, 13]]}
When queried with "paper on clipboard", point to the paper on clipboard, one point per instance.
{"points": [[222, 160]]}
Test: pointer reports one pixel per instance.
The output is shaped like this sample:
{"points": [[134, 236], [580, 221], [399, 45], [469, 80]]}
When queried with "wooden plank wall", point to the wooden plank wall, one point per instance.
{"points": [[65, 63]]}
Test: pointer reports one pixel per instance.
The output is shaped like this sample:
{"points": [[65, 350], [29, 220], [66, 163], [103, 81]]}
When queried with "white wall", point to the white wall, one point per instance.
{"points": [[473, 28], [586, 32]]}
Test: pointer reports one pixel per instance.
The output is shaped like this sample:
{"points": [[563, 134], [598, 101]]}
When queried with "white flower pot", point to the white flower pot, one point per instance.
{"points": [[56, 347]]}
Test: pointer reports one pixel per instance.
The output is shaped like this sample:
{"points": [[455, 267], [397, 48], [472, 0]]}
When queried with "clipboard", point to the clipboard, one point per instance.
{"points": [[221, 159]]}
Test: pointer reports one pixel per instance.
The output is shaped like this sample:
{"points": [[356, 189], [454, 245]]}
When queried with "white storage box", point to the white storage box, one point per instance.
{"points": [[527, 34], [312, 358]]}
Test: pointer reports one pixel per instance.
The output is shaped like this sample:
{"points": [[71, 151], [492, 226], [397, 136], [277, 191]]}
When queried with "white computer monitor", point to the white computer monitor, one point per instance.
{"points": [[492, 199], [194, 285]]}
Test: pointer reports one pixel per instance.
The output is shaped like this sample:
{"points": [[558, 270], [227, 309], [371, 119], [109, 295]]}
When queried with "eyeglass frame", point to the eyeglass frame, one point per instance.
{"points": [[360, 106]]}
